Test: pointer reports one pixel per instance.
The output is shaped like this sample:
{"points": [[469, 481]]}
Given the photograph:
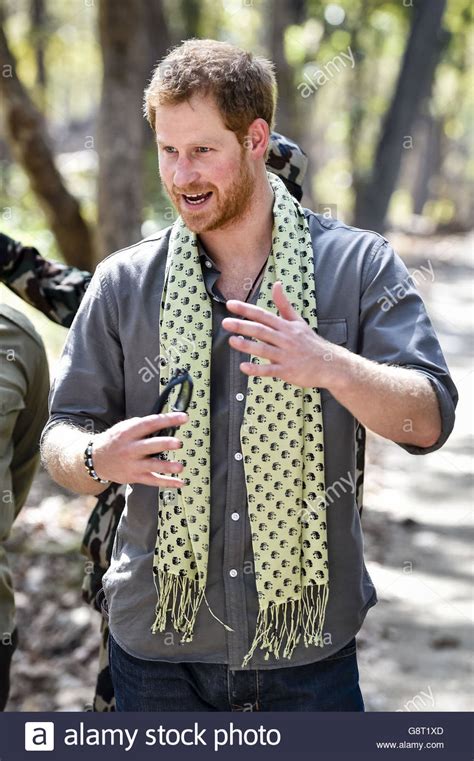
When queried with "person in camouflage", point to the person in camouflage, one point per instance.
{"points": [[53, 288], [57, 290], [24, 386]]}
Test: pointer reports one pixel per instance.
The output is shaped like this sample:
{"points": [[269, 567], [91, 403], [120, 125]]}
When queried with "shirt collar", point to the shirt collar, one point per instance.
{"points": [[210, 273]]}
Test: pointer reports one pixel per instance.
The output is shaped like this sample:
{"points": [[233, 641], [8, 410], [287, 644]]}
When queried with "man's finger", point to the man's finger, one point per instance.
{"points": [[157, 459], [282, 302], [252, 329], [252, 312], [265, 371], [151, 423], [164, 466], [156, 444], [156, 479], [258, 349]]}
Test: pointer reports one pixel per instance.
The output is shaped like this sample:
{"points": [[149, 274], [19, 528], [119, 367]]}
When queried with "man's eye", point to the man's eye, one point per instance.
{"points": [[202, 149], [169, 149]]}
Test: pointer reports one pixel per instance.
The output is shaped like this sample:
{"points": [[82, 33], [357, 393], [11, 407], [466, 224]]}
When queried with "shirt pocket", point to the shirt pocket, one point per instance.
{"points": [[333, 329], [11, 401], [11, 404]]}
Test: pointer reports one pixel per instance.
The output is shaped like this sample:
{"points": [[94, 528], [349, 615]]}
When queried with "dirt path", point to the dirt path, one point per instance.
{"points": [[54, 668], [416, 645]]}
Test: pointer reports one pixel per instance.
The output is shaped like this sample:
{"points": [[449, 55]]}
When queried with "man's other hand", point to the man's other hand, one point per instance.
{"points": [[122, 453]]}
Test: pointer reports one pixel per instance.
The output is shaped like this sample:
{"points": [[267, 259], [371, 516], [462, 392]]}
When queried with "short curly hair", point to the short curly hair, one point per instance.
{"points": [[243, 85]]}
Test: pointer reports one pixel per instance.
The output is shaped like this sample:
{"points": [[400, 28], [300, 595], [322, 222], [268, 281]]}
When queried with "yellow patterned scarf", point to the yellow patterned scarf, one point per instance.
{"points": [[282, 446]]}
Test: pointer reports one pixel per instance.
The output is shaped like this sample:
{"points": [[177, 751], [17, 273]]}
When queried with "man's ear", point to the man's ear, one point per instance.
{"points": [[257, 138]]}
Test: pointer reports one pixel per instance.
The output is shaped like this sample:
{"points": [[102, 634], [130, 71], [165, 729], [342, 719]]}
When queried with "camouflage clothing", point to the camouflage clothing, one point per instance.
{"points": [[288, 161], [57, 290], [360, 437], [98, 540], [97, 545], [53, 288]]}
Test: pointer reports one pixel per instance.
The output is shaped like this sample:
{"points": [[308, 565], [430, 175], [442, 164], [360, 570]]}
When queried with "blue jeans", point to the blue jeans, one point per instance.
{"points": [[328, 685]]}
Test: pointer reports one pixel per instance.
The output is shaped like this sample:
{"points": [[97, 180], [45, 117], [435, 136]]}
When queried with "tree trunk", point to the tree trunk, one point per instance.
{"points": [[27, 137], [38, 35], [191, 11], [126, 31], [414, 84], [281, 13], [428, 161]]}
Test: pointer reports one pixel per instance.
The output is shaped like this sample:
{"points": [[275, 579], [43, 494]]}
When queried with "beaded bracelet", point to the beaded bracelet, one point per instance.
{"points": [[89, 465]]}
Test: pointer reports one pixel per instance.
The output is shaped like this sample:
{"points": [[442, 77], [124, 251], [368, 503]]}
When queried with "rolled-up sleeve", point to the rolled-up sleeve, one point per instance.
{"points": [[88, 388], [395, 329]]}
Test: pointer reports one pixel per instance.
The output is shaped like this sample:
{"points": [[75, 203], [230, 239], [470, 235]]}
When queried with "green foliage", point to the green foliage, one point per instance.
{"points": [[72, 57]]}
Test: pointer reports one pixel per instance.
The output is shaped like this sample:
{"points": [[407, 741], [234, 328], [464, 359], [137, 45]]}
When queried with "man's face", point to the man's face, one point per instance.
{"points": [[207, 174]]}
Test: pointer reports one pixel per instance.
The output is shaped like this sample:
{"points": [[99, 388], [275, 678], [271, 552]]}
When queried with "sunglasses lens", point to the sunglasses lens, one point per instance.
{"points": [[182, 402]]}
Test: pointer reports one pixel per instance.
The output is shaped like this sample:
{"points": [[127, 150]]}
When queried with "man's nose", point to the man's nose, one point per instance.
{"points": [[184, 173]]}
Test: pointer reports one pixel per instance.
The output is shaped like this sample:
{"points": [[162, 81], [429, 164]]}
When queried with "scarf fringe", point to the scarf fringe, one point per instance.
{"points": [[307, 613], [184, 596]]}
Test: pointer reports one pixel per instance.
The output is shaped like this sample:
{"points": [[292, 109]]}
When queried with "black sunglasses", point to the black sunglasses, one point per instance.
{"points": [[180, 378]]}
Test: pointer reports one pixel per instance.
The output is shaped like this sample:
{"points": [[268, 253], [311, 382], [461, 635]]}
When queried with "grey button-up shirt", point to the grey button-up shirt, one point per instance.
{"points": [[110, 371]]}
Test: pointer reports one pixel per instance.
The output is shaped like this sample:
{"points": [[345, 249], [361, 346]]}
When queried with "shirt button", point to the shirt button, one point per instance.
{"points": [[239, 397], [233, 573], [238, 455], [208, 264], [235, 516]]}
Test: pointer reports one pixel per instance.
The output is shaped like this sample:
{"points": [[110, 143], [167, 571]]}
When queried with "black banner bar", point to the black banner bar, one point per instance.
{"points": [[325, 736]]}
